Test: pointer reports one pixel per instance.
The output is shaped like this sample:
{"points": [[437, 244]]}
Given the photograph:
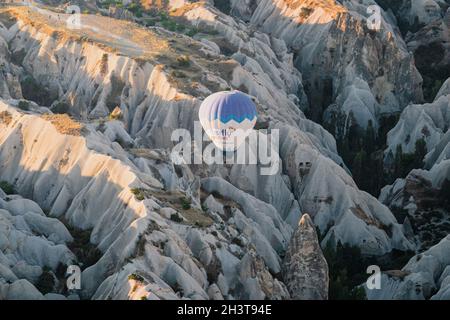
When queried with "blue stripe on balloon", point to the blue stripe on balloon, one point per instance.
{"points": [[238, 119]]}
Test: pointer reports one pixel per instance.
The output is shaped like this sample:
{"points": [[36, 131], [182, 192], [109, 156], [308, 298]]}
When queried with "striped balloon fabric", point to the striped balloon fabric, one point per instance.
{"points": [[228, 117]]}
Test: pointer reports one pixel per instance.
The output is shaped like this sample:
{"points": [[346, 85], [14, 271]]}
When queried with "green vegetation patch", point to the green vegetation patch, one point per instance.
{"points": [[24, 105], [32, 90], [46, 281], [7, 187], [135, 277], [85, 251], [138, 193]]}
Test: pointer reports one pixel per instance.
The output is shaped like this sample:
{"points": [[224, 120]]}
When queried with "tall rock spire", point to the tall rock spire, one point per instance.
{"points": [[305, 270]]}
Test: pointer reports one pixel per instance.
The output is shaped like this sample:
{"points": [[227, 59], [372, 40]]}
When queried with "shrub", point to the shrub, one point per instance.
{"points": [[176, 218], [237, 241], [306, 12], [149, 22], [24, 105], [169, 25], [86, 252], [61, 270], [432, 89], [34, 91], [192, 32], [7, 187], [138, 193], [61, 107], [135, 277], [134, 7], [46, 281], [405, 162], [140, 197], [185, 203], [163, 16], [444, 194], [347, 270], [180, 27]]}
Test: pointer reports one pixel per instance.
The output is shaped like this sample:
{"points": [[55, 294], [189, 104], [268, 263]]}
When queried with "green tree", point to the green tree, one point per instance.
{"points": [[346, 271], [398, 161], [46, 281], [369, 141], [354, 133], [444, 194], [420, 153], [405, 162], [360, 169]]}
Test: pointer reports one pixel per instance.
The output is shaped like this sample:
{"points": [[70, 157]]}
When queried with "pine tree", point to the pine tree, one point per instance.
{"points": [[360, 168], [354, 134], [369, 138], [398, 161], [420, 153]]}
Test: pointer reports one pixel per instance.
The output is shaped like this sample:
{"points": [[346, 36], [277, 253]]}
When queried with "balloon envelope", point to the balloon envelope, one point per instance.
{"points": [[228, 117]]}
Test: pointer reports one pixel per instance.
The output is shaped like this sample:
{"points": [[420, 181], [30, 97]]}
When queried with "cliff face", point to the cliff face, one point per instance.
{"points": [[425, 26], [421, 121], [9, 81], [422, 193], [348, 67]]}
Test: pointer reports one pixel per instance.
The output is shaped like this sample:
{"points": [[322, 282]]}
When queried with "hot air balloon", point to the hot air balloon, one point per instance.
{"points": [[228, 117]]}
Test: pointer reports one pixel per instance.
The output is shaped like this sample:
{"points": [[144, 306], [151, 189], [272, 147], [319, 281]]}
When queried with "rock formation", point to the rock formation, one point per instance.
{"points": [[422, 194], [425, 276], [305, 270], [349, 67]]}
